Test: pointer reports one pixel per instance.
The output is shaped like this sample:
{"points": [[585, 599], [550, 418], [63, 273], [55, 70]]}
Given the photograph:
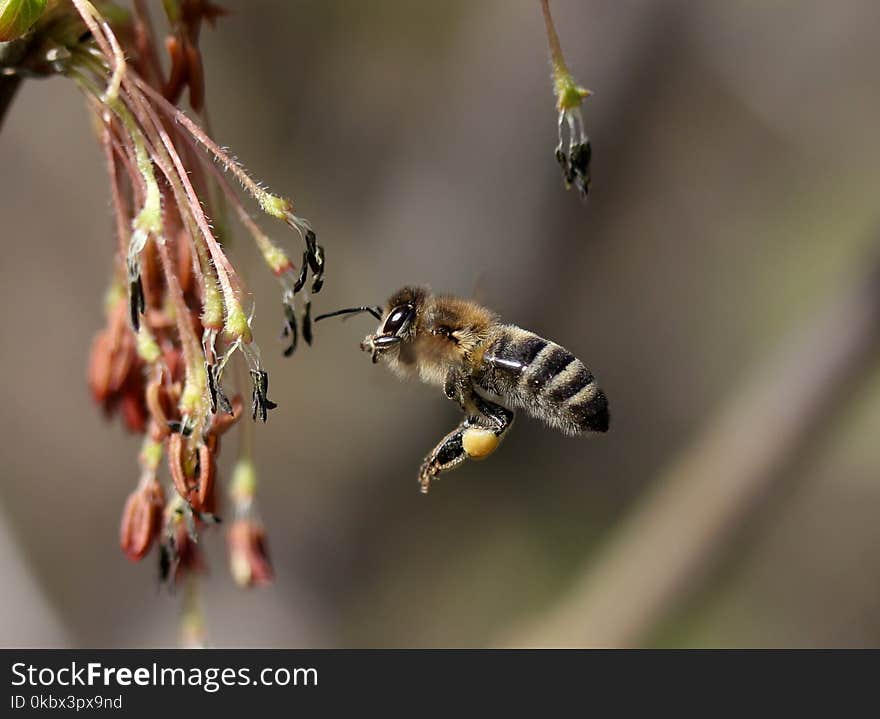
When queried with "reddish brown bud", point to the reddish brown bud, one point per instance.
{"points": [[223, 420], [152, 279], [133, 408], [182, 552], [173, 357], [248, 556], [141, 520], [202, 499], [112, 357], [184, 261], [193, 480], [196, 77], [99, 366], [177, 76], [176, 456], [161, 407]]}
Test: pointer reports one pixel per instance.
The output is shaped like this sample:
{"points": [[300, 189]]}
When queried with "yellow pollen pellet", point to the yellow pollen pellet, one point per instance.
{"points": [[479, 443]]}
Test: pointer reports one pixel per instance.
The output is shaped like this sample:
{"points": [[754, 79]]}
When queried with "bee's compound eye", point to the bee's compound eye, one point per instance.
{"points": [[397, 319], [479, 443]]}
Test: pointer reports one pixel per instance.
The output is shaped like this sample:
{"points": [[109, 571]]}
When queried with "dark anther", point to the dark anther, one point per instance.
{"points": [[136, 302], [212, 387], [318, 280], [580, 166], [223, 401], [580, 157], [562, 159], [288, 329], [87, 35], [312, 252], [567, 172], [215, 390], [260, 403], [184, 428], [301, 278], [307, 323], [166, 559]]}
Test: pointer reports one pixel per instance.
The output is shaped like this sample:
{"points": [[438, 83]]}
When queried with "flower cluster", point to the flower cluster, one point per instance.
{"points": [[573, 157], [178, 315]]}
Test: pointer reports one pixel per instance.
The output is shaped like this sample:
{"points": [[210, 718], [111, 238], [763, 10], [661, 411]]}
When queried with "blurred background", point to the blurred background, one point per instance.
{"points": [[736, 162]]}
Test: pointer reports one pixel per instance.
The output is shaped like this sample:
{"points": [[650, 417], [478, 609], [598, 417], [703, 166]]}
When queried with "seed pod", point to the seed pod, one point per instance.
{"points": [[196, 77], [202, 498], [160, 405], [184, 261], [141, 520], [248, 556], [176, 457], [132, 407], [177, 76]]}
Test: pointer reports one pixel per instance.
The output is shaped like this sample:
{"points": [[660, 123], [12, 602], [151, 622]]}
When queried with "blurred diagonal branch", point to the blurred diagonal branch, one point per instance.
{"points": [[35, 621], [8, 87], [686, 522], [10, 53]]}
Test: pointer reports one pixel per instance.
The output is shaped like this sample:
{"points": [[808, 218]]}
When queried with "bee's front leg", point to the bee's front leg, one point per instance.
{"points": [[457, 387]]}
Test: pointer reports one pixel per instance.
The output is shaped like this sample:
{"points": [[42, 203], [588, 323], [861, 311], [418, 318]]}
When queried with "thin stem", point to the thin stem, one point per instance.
{"points": [[146, 118], [119, 208], [553, 39], [192, 620], [229, 163], [264, 244], [90, 16], [246, 429]]}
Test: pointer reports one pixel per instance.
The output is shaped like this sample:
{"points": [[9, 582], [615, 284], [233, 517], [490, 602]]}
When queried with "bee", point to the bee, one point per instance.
{"points": [[490, 369]]}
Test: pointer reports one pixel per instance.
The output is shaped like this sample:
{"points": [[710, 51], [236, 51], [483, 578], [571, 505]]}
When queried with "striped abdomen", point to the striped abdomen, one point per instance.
{"points": [[544, 379]]}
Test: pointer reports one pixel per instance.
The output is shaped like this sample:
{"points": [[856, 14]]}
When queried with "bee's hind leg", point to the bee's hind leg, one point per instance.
{"points": [[445, 456], [476, 437]]}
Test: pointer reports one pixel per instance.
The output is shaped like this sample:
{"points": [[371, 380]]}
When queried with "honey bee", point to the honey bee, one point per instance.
{"points": [[488, 368]]}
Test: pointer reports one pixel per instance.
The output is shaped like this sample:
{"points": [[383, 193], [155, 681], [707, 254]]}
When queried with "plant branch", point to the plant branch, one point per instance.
{"points": [[553, 39], [8, 87]]}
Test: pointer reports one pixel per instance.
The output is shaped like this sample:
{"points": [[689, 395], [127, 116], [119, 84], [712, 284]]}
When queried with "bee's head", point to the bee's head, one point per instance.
{"points": [[397, 321]]}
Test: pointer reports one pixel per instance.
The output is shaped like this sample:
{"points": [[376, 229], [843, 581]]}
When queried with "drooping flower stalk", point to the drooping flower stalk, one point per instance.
{"points": [[575, 159], [177, 310]]}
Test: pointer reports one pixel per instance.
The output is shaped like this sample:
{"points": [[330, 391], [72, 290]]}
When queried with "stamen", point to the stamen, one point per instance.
{"points": [[260, 403]]}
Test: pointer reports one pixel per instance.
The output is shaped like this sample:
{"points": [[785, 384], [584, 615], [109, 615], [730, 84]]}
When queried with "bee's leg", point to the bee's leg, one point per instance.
{"points": [[445, 456], [499, 418], [476, 437], [459, 389]]}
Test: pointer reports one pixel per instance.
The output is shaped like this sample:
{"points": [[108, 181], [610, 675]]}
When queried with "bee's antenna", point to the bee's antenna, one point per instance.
{"points": [[375, 311]]}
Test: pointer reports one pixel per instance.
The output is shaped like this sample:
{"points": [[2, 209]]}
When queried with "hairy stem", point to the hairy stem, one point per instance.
{"points": [[553, 39]]}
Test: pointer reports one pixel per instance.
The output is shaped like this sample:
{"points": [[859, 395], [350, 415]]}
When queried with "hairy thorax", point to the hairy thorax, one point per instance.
{"points": [[428, 358], [450, 334]]}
